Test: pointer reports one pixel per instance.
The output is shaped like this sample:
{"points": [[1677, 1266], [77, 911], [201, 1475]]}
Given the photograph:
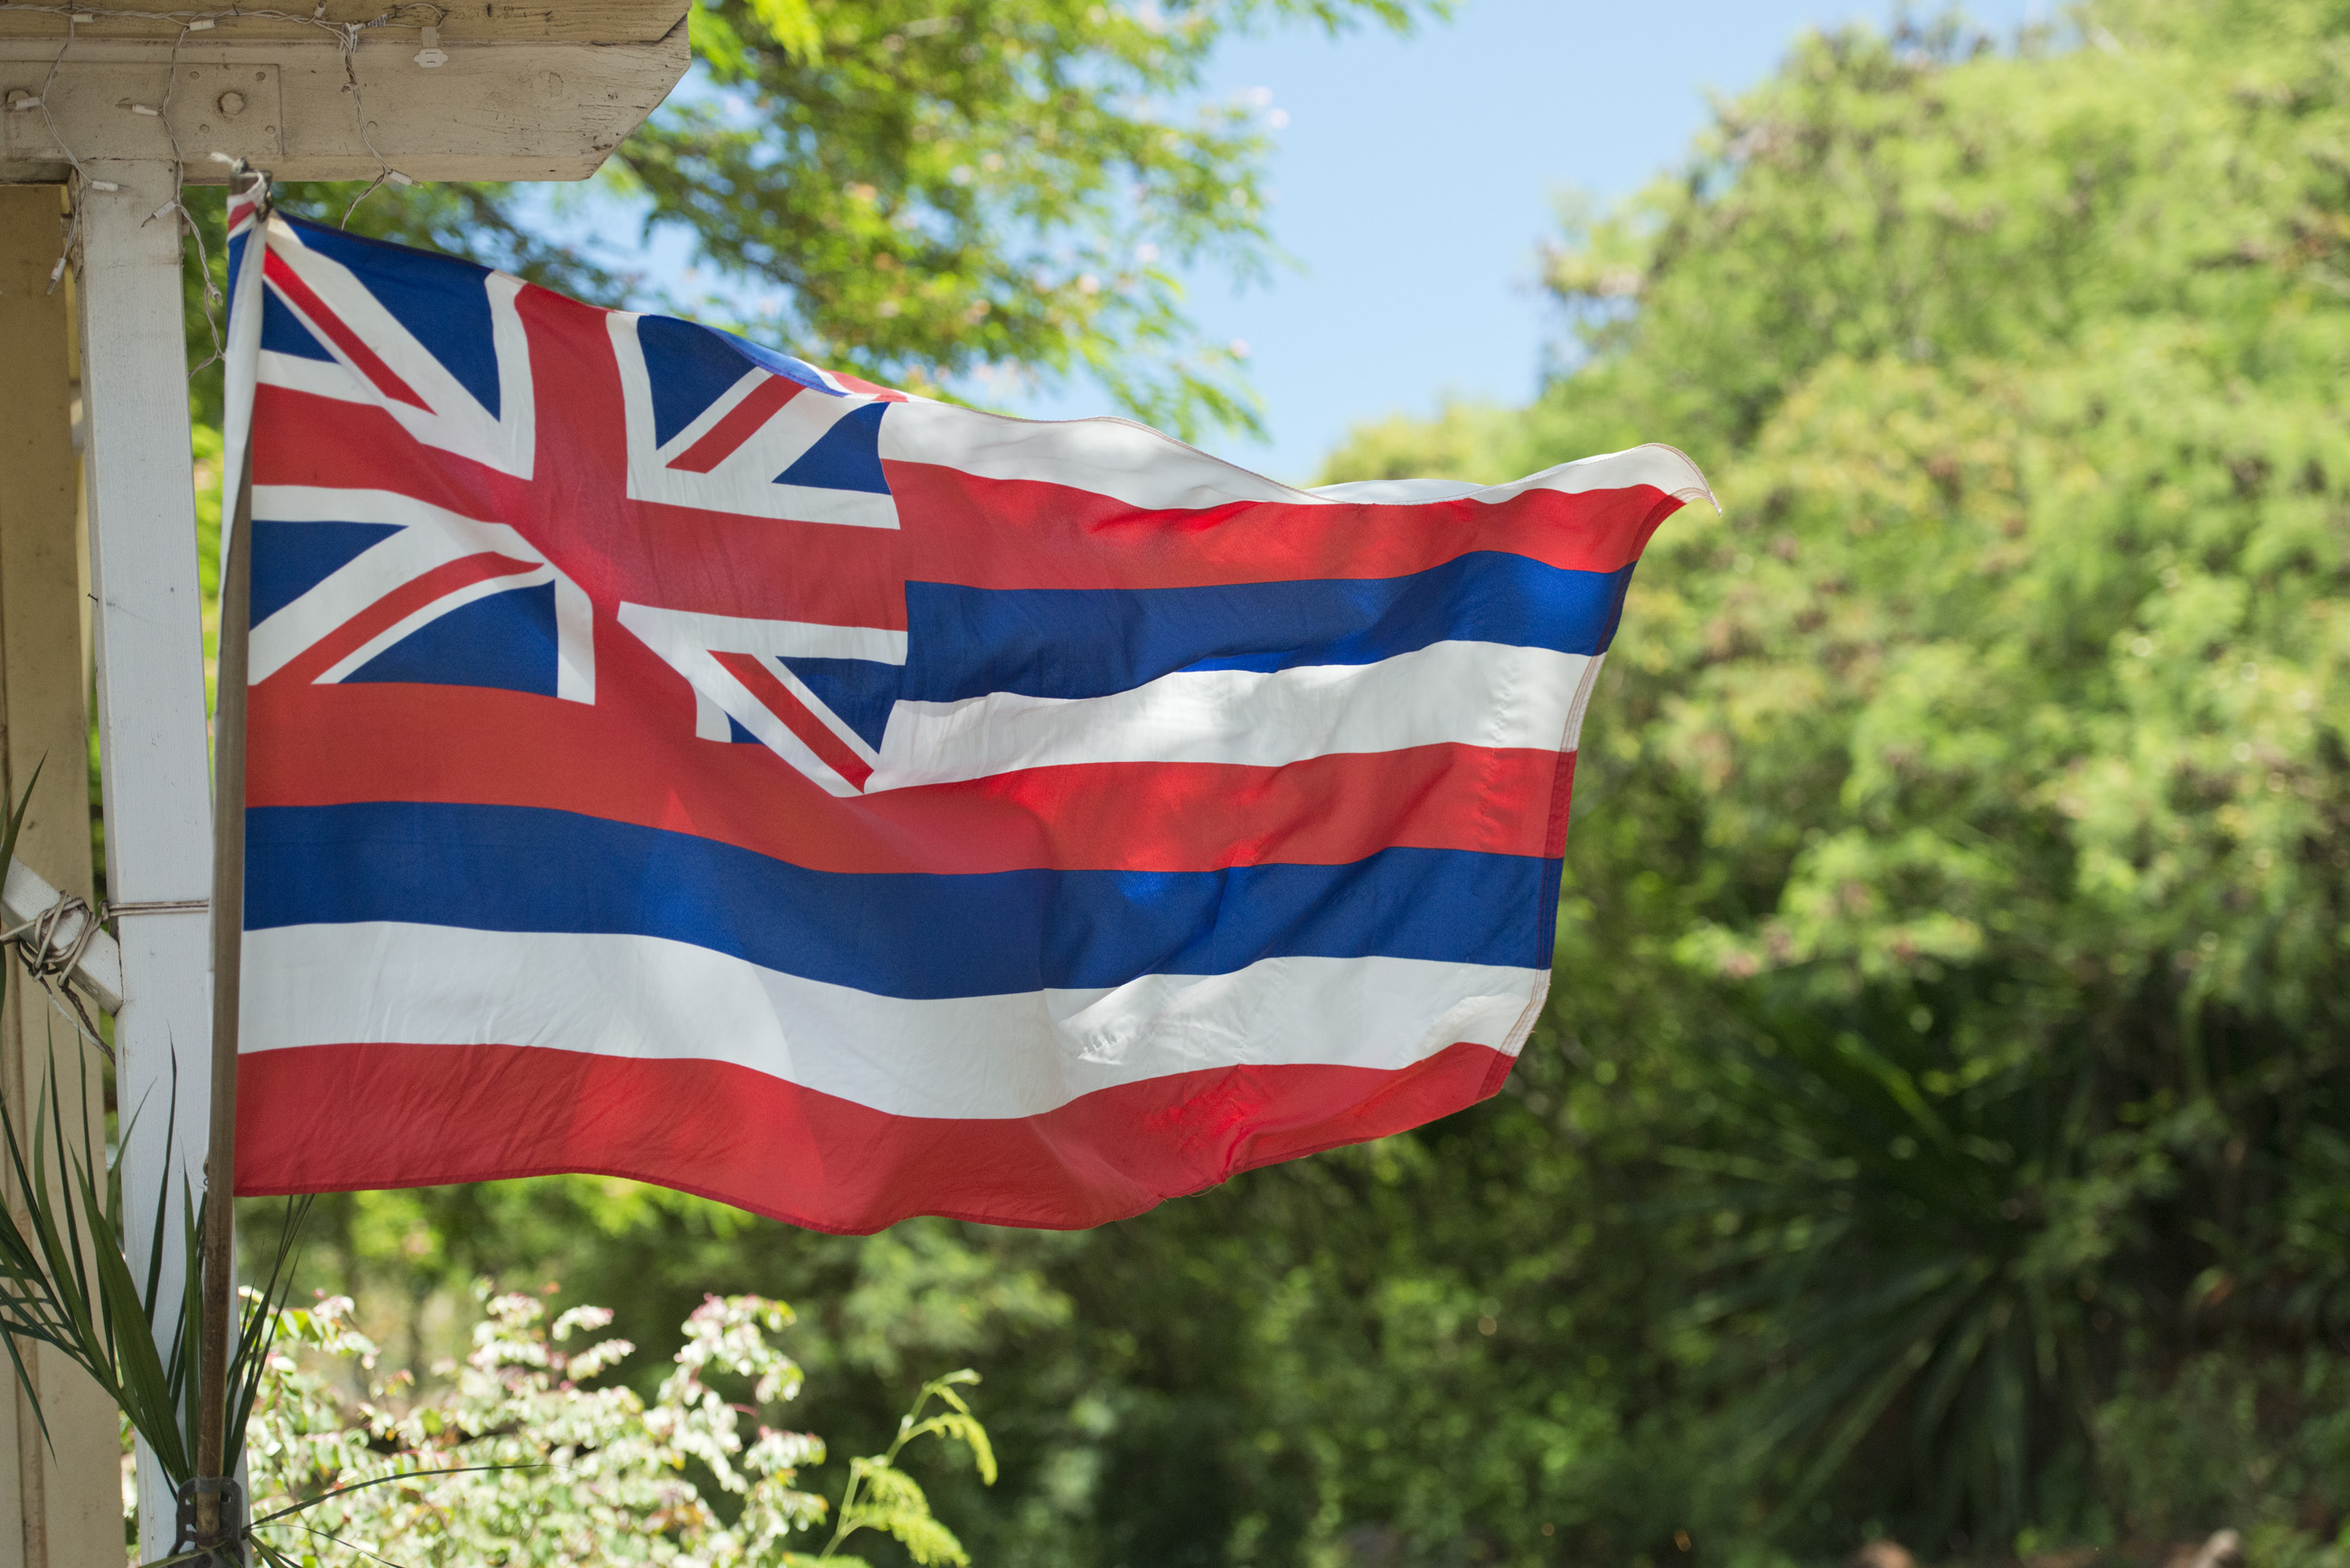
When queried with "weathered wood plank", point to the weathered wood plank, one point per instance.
{"points": [[475, 21], [494, 112], [60, 1500]]}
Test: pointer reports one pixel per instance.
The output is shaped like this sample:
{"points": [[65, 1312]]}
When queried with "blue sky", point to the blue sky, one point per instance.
{"points": [[1415, 177], [1413, 181]]}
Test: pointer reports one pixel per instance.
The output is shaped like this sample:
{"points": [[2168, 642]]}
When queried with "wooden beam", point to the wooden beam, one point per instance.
{"points": [[500, 109], [533, 22], [60, 1500], [154, 762]]}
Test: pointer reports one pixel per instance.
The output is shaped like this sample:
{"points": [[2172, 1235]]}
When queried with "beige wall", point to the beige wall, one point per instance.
{"points": [[62, 1499]]}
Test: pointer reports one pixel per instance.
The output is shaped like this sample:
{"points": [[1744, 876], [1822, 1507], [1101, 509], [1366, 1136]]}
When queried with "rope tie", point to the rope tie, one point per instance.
{"points": [[46, 953], [52, 944]]}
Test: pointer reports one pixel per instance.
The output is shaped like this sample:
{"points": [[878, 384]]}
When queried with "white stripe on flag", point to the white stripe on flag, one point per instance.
{"points": [[1139, 466], [1656, 465], [1461, 693], [1112, 457], [967, 1057]]}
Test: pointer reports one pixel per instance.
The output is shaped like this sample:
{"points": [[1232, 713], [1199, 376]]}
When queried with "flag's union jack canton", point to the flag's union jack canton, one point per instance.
{"points": [[674, 760]]}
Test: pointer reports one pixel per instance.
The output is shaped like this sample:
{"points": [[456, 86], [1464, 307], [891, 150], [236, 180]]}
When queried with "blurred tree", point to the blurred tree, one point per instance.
{"points": [[1983, 773]]}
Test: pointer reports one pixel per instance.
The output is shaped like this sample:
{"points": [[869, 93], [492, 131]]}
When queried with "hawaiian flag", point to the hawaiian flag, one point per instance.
{"points": [[672, 760]]}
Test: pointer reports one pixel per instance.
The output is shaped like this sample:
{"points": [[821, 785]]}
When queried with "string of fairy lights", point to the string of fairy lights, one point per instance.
{"points": [[419, 14]]}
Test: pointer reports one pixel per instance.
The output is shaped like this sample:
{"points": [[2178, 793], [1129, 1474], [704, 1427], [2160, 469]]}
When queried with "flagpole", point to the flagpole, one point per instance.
{"points": [[218, 1243]]}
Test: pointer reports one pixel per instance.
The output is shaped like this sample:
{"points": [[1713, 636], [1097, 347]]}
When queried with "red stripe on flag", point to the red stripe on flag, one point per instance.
{"points": [[331, 1118], [388, 612], [737, 425], [276, 269], [1022, 533], [345, 743], [955, 528], [769, 692]]}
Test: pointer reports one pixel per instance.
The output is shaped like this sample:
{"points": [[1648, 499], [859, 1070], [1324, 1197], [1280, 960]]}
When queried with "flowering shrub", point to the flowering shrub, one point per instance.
{"points": [[518, 1462]]}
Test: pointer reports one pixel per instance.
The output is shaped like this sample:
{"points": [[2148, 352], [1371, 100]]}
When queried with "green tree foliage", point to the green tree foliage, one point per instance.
{"points": [[1939, 1123], [918, 189], [1975, 793]]}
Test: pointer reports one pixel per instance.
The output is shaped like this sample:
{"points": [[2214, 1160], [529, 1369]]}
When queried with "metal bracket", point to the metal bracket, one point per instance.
{"points": [[226, 1545]]}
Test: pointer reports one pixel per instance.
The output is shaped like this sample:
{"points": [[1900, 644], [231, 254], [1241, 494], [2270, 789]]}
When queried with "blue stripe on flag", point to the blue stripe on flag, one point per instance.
{"points": [[965, 643], [516, 868]]}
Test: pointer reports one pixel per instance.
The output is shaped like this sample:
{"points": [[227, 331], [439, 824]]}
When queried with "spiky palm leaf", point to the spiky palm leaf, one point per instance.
{"points": [[68, 1282], [1888, 1245]]}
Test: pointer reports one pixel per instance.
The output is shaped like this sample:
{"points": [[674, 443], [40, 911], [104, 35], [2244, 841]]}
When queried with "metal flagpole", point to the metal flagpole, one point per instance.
{"points": [[218, 1242]]}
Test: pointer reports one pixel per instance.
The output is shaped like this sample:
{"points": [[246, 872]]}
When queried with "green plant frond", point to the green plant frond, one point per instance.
{"points": [[927, 1542], [1854, 1373], [189, 1341], [967, 1430], [67, 1281], [271, 1555], [894, 1504], [888, 1490], [263, 1320], [1931, 1288], [348, 1546], [44, 1260], [177, 1558], [71, 1274], [1898, 1085], [152, 1391], [880, 1495], [1719, 1162], [9, 1334], [1838, 1442]]}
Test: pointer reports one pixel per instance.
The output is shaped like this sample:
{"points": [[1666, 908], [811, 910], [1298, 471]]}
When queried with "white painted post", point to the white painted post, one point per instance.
{"points": [[151, 712]]}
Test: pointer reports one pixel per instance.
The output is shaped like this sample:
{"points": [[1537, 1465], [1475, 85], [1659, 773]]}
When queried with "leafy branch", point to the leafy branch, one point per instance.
{"points": [[880, 1496]]}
